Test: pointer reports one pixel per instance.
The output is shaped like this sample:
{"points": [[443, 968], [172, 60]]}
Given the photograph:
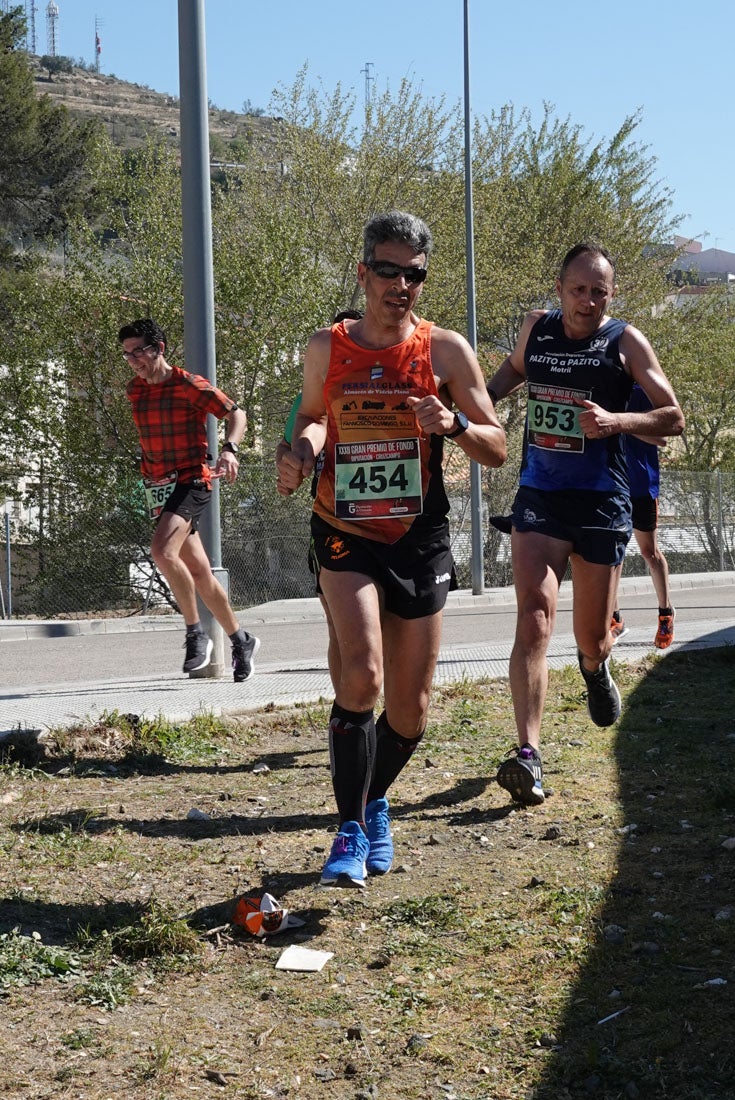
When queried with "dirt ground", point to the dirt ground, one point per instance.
{"points": [[509, 953]]}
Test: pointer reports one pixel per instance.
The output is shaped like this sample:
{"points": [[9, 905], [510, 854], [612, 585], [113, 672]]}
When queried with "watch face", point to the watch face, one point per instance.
{"points": [[462, 424]]}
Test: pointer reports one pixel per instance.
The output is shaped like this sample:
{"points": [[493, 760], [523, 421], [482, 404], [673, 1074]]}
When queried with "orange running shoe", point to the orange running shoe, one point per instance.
{"points": [[665, 633], [617, 626]]}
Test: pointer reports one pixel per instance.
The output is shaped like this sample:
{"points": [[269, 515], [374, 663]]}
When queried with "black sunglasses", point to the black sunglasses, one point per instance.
{"points": [[386, 270]]}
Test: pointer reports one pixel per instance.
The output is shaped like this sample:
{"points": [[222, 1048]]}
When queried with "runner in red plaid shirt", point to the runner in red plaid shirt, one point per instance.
{"points": [[170, 408]]}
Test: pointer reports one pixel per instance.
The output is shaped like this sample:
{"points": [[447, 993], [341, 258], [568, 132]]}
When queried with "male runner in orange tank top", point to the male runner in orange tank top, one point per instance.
{"points": [[379, 396]]}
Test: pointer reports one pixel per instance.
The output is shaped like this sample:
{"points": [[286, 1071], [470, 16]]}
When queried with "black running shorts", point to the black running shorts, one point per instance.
{"points": [[415, 573], [598, 525], [189, 499], [645, 513]]}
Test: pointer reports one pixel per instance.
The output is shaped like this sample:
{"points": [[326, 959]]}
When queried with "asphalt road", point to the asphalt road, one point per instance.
{"points": [[98, 657]]}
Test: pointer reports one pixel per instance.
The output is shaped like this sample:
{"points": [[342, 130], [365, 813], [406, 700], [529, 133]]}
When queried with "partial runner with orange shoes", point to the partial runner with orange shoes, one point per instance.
{"points": [[643, 471]]}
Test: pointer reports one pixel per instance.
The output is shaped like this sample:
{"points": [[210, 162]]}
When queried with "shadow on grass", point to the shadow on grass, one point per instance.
{"points": [[24, 749], [258, 824], [60, 924], [653, 1013]]}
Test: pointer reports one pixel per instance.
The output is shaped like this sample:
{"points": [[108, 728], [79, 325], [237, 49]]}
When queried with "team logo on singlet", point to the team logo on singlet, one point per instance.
{"points": [[376, 372], [599, 344]]}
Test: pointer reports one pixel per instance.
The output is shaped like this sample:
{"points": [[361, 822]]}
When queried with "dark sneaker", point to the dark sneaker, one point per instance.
{"points": [[617, 627], [198, 647], [377, 823], [243, 653], [346, 863], [521, 775], [603, 697], [665, 633]]}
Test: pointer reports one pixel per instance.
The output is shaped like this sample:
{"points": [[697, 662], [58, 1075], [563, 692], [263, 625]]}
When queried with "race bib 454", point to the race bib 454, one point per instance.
{"points": [[377, 479]]}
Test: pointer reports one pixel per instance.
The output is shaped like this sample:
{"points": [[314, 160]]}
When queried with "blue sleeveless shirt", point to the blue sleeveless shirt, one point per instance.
{"points": [[560, 372], [642, 457]]}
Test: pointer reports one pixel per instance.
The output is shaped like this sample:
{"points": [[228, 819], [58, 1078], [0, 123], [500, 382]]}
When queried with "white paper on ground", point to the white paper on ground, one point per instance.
{"points": [[303, 958]]}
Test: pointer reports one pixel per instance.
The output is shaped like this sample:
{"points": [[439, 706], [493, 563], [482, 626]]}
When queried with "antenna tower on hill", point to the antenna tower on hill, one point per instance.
{"points": [[97, 43], [52, 18], [31, 10]]}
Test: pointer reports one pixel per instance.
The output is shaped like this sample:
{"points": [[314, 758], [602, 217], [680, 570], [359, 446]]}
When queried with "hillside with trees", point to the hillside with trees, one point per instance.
{"points": [[132, 114]]}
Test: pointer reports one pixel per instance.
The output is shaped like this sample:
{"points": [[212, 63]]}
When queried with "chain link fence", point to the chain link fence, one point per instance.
{"points": [[90, 564]]}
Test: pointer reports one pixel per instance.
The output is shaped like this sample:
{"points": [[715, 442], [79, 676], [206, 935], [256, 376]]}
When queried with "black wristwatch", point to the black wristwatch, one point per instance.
{"points": [[229, 446], [461, 424]]}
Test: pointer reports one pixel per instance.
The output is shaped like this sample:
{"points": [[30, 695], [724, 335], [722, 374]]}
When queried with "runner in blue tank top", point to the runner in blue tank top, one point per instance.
{"points": [[573, 501], [643, 471]]}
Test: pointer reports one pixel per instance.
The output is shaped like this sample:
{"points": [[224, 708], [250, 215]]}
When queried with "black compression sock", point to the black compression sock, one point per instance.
{"points": [[352, 755], [392, 753]]}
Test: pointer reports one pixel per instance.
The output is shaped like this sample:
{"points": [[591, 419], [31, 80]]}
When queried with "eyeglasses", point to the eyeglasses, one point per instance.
{"points": [[386, 270], [137, 353]]}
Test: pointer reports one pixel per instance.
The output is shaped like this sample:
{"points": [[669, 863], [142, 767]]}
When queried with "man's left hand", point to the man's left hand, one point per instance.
{"points": [[432, 415], [227, 467]]}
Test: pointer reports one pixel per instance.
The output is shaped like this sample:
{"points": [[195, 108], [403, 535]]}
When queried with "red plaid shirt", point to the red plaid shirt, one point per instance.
{"points": [[171, 418]]}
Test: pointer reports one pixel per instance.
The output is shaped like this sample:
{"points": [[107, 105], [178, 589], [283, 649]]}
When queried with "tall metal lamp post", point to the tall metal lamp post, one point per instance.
{"points": [[476, 510], [196, 205]]}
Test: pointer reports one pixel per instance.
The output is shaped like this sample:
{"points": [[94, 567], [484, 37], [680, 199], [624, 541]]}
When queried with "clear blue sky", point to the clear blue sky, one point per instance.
{"points": [[594, 63]]}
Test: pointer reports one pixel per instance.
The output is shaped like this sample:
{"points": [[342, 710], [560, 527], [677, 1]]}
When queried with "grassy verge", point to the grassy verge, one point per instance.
{"points": [[583, 948]]}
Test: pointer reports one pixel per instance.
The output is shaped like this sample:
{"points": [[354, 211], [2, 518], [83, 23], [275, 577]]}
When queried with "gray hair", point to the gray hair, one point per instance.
{"points": [[395, 225]]}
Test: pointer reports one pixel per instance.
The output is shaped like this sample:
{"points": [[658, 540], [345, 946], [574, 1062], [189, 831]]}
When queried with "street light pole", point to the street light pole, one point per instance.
{"points": [[199, 339], [476, 517]]}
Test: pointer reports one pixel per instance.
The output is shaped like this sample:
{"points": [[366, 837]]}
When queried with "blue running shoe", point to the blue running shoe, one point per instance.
{"points": [[377, 823], [521, 775], [346, 863]]}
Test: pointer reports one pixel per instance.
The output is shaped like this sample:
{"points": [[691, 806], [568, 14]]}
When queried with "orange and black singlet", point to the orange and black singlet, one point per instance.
{"points": [[382, 477]]}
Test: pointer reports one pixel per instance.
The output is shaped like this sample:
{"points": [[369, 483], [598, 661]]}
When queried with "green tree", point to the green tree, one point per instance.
{"points": [[55, 65], [696, 346], [67, 434], [538, 189], [48, 160], [695, 341]]}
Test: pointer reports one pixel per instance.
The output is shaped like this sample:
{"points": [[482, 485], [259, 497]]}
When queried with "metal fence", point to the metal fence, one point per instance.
{"points": [[91, 565]]}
